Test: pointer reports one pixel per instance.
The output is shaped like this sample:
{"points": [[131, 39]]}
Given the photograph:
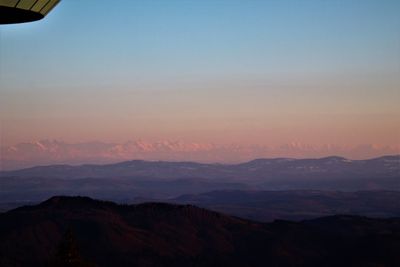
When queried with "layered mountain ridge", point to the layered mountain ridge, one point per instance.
{"points": [[156, 234], [131, 180]]}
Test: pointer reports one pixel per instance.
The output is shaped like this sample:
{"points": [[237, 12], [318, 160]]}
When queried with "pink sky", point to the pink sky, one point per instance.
{"points": [[265, 114], [317, 74], [45, 152]]}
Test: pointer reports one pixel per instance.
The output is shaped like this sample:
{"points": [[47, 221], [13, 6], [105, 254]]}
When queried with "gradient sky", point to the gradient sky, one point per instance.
{"points": [[264, 72]]}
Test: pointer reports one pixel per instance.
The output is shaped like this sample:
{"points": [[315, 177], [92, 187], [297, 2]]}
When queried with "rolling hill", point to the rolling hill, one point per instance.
{"points": [[157, 234]]}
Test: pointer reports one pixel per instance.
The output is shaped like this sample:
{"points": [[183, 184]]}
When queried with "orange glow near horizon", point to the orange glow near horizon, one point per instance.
{"points": [[312, 73], [261, 115]]}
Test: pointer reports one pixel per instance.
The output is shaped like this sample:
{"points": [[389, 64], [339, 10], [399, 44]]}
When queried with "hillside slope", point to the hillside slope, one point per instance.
{"points": [[155, 234]]}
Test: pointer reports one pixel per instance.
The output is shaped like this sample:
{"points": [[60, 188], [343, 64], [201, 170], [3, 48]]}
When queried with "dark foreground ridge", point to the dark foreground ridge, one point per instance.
{"points": [[156, 234]]}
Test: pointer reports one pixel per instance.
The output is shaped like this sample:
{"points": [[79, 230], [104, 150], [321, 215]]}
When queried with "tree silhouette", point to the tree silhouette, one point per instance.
{"points": [[67, 254]]}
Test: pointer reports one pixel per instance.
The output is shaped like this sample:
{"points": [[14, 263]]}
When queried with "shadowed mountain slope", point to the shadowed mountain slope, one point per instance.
{"points": [[156, 234], [297, 204]]}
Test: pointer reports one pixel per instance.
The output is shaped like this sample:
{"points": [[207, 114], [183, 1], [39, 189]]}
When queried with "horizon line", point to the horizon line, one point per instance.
{"points": [[198, 162]]}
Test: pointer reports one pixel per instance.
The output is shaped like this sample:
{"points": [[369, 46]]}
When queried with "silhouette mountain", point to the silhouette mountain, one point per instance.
{"points": [[67, 254], [157, 234]]}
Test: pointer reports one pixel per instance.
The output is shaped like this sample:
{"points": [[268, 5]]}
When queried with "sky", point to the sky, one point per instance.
{"points": [[313, 72]]}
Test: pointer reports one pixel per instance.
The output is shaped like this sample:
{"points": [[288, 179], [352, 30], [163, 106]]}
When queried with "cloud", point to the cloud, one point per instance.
{"points": [[45, 152]]}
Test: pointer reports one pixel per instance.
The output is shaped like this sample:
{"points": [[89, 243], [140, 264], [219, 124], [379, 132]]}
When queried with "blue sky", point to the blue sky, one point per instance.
{"points": [[308, 52], [162, 39]]}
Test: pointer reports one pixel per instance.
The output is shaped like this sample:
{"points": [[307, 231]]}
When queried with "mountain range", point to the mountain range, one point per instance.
{"points": [[262, 189], [296, 205], [29, 154], [333, 173], [256, 170], [157, 234]]}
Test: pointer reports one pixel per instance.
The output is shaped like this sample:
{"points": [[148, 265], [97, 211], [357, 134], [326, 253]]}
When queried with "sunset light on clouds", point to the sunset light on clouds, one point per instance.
{"points": [[255, 75]]}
